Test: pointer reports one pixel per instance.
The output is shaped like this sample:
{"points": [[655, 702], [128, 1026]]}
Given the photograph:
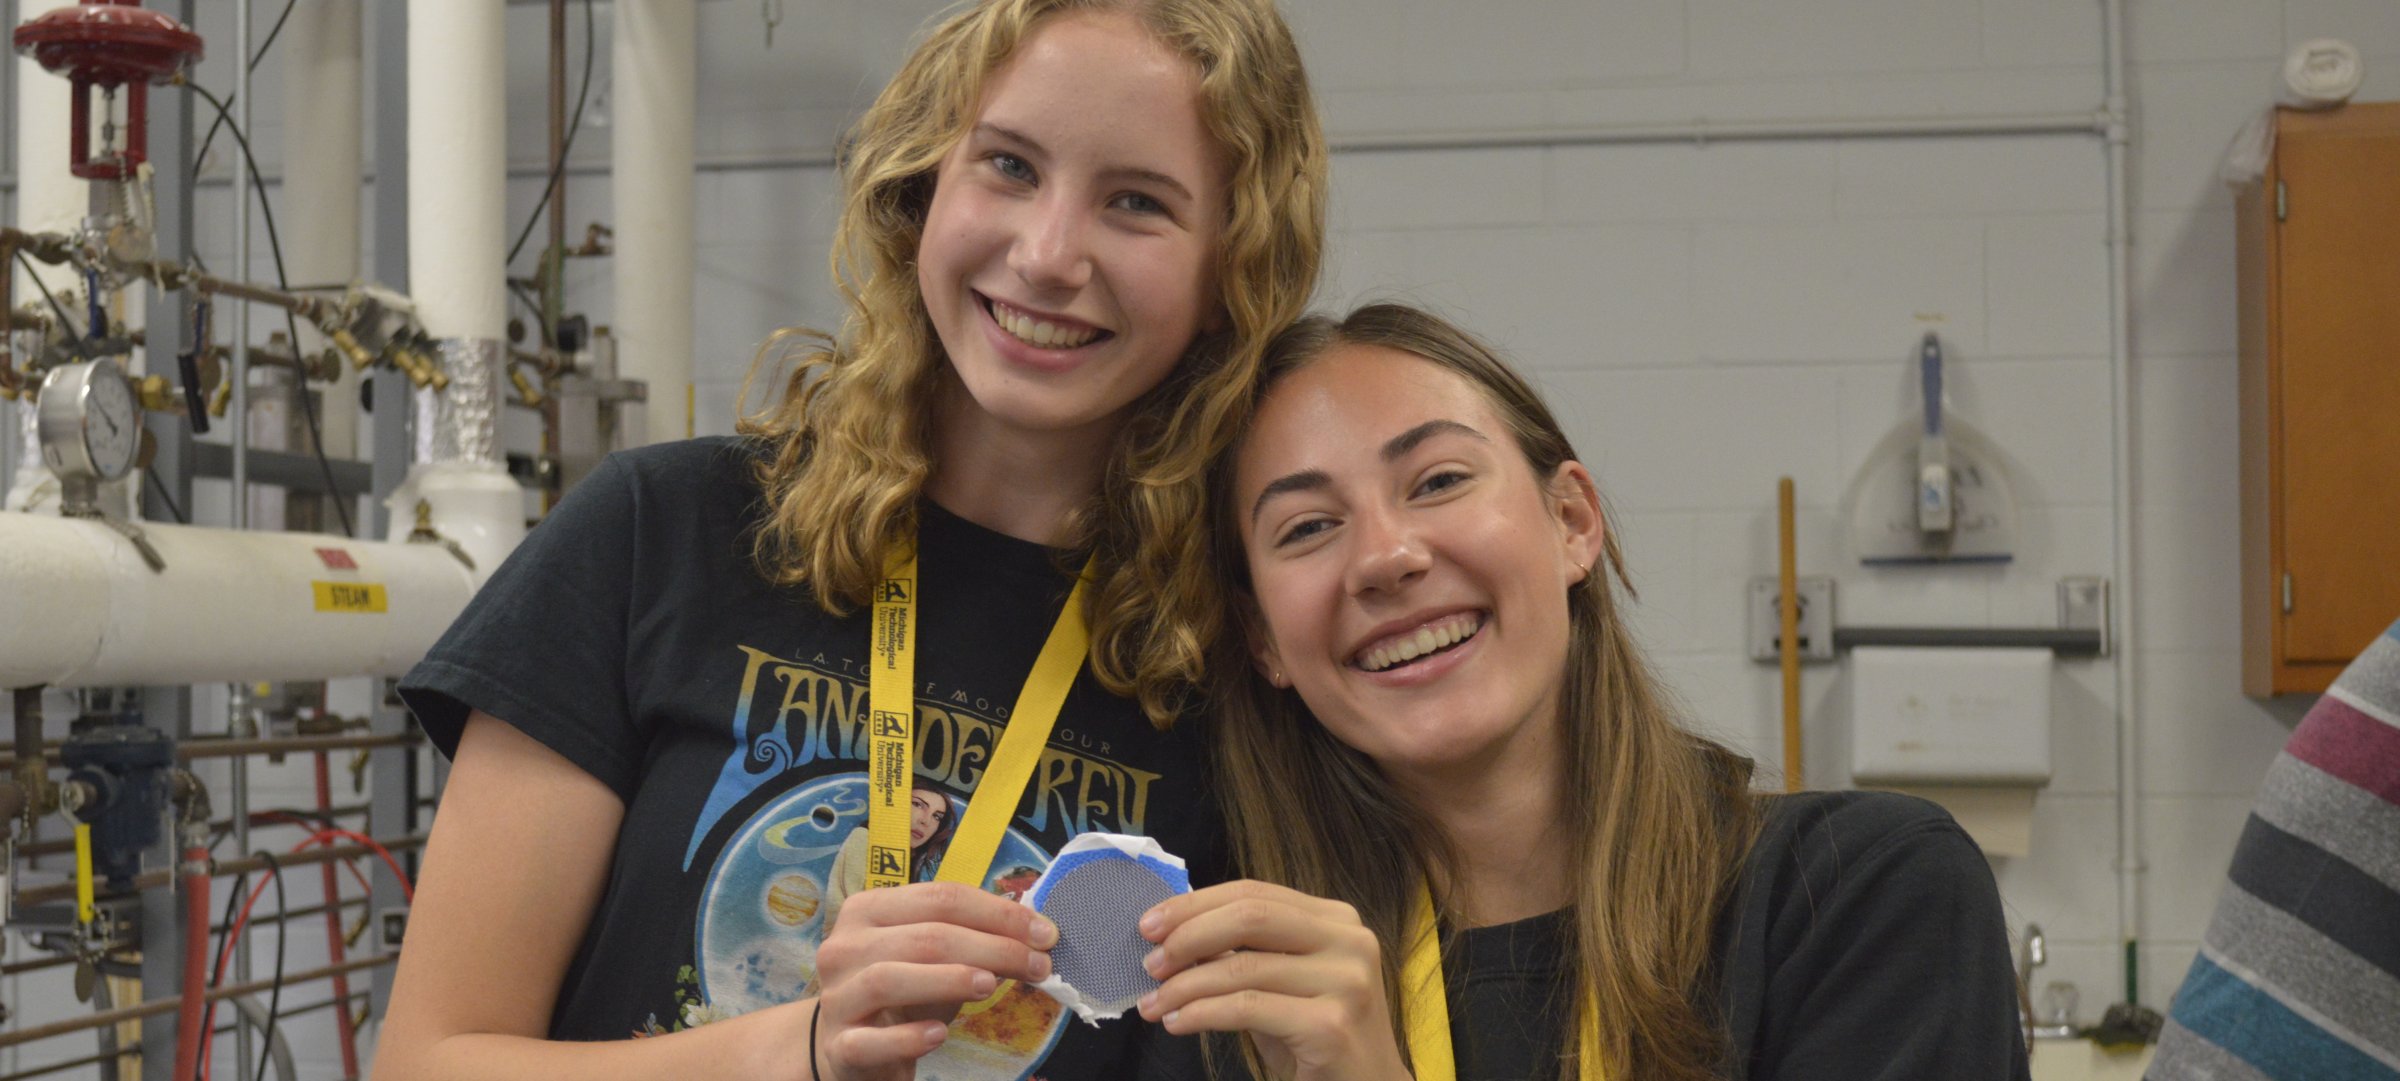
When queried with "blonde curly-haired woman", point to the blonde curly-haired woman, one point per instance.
{"points": [[1067, 230]]}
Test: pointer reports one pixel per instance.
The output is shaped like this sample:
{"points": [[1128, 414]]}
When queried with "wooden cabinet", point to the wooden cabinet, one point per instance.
{"points": [[2319, 275]]}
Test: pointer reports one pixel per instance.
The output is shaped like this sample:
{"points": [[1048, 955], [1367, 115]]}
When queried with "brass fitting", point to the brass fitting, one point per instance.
{"points": [[424, 530], [157, 395], [348, 344], [422, 371], [419, 375], [433, 371], [525, 388]]}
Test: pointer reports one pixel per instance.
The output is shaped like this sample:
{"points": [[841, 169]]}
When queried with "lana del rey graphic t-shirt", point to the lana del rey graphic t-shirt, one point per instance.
{"points": [[632, 634]]}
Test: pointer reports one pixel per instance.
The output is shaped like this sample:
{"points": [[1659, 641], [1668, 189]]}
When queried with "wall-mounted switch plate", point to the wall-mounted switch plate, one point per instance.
{"points": [[1816, 618]]}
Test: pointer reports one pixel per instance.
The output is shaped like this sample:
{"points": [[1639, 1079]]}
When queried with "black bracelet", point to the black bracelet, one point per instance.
{"points": [[814, 1012]]}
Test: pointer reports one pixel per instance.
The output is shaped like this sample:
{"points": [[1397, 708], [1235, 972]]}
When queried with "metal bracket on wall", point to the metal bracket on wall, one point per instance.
{"points": [[1816, 618], [2082, 631]]}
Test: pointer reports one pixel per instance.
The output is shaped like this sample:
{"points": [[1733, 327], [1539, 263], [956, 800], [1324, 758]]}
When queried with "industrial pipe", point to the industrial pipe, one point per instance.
{"points": [[2117, 136], [287, 1013], [147, 880], [188, 1011], [347, 1032], [322, 141], [1787, 607], [87, 611], [156, 1006], [655, 61], [32, 768], [227, 747], [457, 162], [49, 199]]}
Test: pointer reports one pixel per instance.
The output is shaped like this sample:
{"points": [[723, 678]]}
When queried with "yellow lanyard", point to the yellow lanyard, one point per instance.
{"points": [[891, 727], [1427, 1009]]}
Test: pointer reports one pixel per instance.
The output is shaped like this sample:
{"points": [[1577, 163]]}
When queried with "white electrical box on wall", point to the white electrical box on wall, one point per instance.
{"points": [[1950, 716]]}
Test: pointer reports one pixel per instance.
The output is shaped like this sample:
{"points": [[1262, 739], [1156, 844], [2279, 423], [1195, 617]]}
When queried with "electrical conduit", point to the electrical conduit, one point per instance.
{"points": [[2125, 647]]}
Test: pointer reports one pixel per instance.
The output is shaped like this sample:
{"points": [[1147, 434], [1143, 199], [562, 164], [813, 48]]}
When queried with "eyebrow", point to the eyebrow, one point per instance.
{"points": [[1399, 445], [1306, 480], [1409, 440], [1129, 172]]}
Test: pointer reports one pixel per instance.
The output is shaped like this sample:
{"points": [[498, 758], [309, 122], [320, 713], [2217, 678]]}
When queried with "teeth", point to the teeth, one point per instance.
{"points": [[1039, 333], [1414, 644]]}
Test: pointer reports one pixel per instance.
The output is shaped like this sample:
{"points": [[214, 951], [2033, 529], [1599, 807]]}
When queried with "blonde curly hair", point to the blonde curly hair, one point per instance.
{"points": [[847, 443]]}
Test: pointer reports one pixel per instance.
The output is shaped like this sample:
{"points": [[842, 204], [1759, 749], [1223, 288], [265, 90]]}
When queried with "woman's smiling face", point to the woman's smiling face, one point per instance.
{"points": [[1411, 572], [1068, 255], [926, 812]]}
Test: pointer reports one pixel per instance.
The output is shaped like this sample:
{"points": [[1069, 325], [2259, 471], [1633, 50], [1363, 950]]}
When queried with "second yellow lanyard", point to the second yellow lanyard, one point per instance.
{"points": [[1427, 1009], [891, 732]]}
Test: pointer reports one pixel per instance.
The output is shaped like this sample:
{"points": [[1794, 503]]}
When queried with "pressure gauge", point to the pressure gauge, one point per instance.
{"points": [[90, 423]]}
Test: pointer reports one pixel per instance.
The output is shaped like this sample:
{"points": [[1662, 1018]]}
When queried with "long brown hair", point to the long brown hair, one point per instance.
{"points": [[847, 443], [1660, 818]]}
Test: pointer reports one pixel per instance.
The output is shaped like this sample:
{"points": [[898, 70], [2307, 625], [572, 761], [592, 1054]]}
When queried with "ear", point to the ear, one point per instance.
{"points": [[1582, 528], [1263, 654]]}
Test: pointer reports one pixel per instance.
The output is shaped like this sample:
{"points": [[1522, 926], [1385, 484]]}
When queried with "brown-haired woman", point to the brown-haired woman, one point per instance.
{"points": [[1472, 827], [1068, 228]]}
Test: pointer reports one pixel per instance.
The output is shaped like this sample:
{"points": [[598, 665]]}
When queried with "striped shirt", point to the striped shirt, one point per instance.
{"points": [[2299, 976]]}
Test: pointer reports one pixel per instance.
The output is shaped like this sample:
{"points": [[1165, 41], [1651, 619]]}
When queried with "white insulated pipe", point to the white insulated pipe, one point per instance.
{"points": [[457, 187], [49, 200], [85, 610], [323, 154], [655, 63], [457, 167]]}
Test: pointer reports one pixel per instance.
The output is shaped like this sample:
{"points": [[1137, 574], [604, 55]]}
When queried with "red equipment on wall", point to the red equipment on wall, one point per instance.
{"points": [[110, 43]]}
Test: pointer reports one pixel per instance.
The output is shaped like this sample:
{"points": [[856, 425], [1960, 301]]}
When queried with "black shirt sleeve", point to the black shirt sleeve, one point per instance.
{"points": [[542, 645], [1868, 943]]}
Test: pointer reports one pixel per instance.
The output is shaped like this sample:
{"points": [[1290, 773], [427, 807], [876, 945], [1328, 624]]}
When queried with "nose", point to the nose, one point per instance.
{"points": [[1052, 251], [1387, 553]]}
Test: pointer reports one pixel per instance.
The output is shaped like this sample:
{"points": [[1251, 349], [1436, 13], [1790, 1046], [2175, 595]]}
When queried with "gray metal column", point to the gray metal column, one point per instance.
{"points": [[391, 771], [9, 436], [168, 709]]}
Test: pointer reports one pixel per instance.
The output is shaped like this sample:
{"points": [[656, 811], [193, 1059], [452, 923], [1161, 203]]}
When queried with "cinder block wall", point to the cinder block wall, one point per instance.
{"points": [[1705, 318]]}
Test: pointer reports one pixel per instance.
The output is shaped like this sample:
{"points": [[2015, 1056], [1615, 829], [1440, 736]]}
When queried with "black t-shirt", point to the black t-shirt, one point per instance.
{"points": [[1864, 942], [632, 634]]}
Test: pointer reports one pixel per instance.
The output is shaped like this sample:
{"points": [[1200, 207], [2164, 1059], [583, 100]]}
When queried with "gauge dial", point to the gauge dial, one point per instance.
{"points": [[90, 423]]}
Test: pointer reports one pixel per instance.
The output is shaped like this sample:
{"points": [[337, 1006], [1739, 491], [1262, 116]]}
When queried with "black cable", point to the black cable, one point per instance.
{"points": [[160, 487], [255, 57], [559, 168], [208, 1016], [65, 321], [540, 320], [321, 820], [316, 437], [283, 919]]}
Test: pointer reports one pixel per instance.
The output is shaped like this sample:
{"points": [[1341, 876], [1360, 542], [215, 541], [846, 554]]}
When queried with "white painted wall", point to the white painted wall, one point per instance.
{"points": [[1706, 318]]}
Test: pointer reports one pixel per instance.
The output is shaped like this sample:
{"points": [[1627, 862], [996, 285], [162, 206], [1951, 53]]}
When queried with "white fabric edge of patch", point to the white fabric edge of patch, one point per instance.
{"points": [[1135, 847]]}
